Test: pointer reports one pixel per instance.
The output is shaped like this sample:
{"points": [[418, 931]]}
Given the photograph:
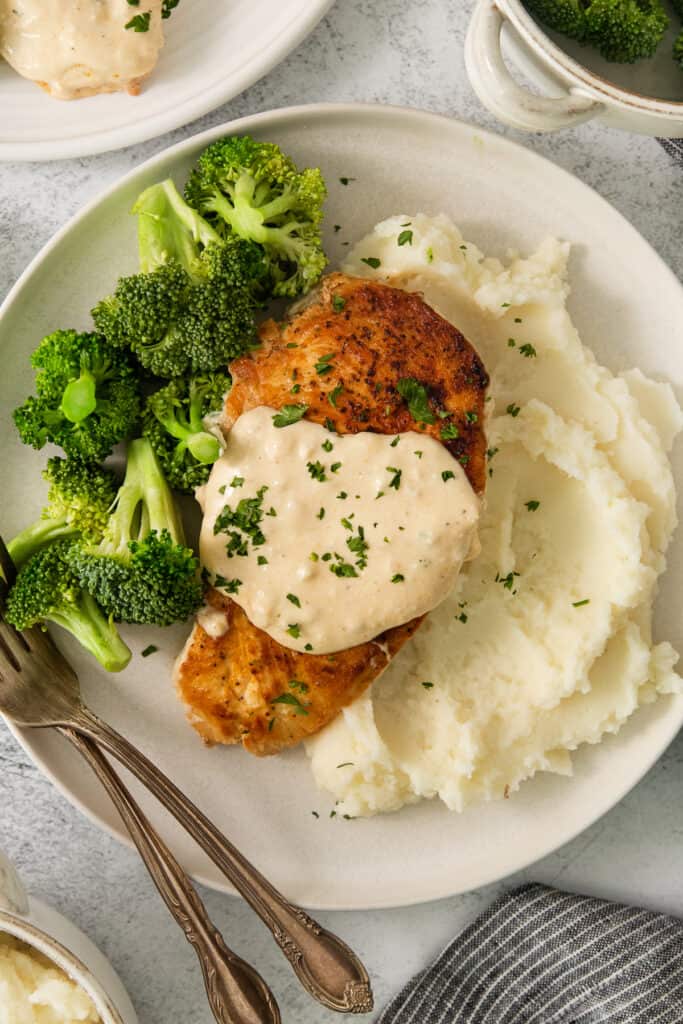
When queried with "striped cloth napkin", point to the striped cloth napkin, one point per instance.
{"points": [[541, 956], [674, 148]]}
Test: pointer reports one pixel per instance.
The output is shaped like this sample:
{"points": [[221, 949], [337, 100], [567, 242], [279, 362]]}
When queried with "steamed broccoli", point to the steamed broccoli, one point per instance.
{"points": [[173, 422], [87, 396], [47, 590], [191, 309], [79, 500], [622, 30], [141, 570], [252, 190]]}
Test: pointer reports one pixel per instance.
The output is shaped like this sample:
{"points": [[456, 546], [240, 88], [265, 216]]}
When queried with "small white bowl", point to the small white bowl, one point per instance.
{"points": [[61, 942], [577, 83]]}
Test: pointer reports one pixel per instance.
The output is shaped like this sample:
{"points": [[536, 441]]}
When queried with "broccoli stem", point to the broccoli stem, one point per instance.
{"points": [[169, 229], [144, 503], [86, 622], [189, 430], [245, 219], [36, 536]]}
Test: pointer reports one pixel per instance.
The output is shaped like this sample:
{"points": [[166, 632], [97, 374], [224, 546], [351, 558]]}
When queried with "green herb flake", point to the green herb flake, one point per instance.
{"points": [[317, 471], [237, 481], [315, 814], [518, 319], [295, 389], [337, 228], [511, 342], [371, 261], [513, 410], [462, 617], [405, 238], [289, 414], [395, 441], [291, 344], [533, 506], [447, 475], [294, 599], [430, 255], [395, 481], [343, 569], [308, 647], [291, 701], [504, 305], [242, 524], [320, 514], [332, 399], [471, 417], [449, 432], [338, 303], [527, 350], [323, 365], [415, 394], [327, 446], [345, 181], [294, 629], [580, 604], [150, 649], [296, 684], [140, 23], [329, 425], [418, 453], [398, 577], [346, 764], [335, 467], [342, 495], [262, 560], [427, 686]]}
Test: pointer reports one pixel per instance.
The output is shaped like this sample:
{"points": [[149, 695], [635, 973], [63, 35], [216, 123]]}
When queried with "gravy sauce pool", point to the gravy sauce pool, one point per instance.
{"points": [[326, 540], [77, 47]]}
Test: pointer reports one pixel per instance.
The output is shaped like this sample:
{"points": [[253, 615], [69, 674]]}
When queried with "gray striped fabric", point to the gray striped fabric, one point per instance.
{"points": [[541, 956], [674, 148]]}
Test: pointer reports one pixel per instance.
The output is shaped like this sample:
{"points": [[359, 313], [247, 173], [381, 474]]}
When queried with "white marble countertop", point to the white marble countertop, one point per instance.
{"points": [[385, 51]]}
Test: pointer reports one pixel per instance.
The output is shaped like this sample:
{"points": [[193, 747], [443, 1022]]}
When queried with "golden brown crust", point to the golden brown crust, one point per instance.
{"points": [[378, 335]]}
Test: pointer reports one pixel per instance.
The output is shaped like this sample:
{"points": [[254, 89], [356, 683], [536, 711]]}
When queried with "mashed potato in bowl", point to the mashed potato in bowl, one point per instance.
{"points": [[546, 642], [34, 991]]}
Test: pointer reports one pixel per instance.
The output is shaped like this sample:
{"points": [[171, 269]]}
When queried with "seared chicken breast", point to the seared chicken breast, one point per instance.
{"points": [[77, 48], [229, 682]]}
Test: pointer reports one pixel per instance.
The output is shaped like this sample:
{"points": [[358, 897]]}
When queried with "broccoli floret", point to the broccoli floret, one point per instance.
{"points": [[678, 49], [192, 307], [79, 502], [141, 570], [173, 422], [87, 396], [47, 590], [622, 30], [251, 189]]}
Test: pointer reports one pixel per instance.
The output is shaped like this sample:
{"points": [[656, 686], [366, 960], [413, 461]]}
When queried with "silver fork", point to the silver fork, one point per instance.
{"points": [[39, 689]]}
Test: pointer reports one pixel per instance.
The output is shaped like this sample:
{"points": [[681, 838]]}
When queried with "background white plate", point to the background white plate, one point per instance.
{"points": [[214, 50], [629, 308]]}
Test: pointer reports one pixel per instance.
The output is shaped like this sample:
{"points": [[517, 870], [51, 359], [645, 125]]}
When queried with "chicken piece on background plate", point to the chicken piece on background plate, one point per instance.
{"points": [[364, 357], [78, 49]]}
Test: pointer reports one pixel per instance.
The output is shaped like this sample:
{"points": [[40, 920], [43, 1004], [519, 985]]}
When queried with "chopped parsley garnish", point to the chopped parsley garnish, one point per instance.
{"points": [[447, 475], [418, 453], [167, 6], [580, 604], [332, 399], [232, 586], [294, 629], [490, 452], [449, 432], [346, 764], [262, 560], [342, 568], [342, 495], [513, 410], [371, 261], [337, 227], [291, 344], [358, 546], [416, 396], [296, 684], [335, 467], [221, 489], [518, 319], [150, 649], [292, 701], [271, 511], [308, 647], [462, 617], [327, 446], [295, 389], [140, 23], [428, 686], [329, 425], [345, 181], [321, 514], [395, 441], [294, 599], [405, 238], [338, 303], [463, 459], [237, 481], [323, 365], [430, 255], [398, 577], [504, 305], [380, 494], [527, 350], [511, 342], [471, 417], [395, 481], [532, 505], [317, 471], [242, 524], [507, 581], [289, 414]]}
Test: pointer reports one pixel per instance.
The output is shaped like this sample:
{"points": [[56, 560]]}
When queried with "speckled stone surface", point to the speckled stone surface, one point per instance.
{"points": [[385, 51]]}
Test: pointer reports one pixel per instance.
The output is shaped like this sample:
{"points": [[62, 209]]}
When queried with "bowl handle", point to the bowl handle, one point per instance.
{"points": [[497, 89], [12, 893]]}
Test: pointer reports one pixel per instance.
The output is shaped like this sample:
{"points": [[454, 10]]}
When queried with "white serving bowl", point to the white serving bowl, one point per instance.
{"points": [[65, 945], [577, 83]]}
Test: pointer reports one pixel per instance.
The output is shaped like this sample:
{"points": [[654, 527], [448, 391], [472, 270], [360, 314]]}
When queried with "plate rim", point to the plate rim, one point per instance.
{"points": [[370, 111], [178, 115]]}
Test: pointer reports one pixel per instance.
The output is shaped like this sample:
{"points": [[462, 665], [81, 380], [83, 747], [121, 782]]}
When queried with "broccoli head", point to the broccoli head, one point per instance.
{"points": [[622, 30], [87, 396], [78, 503], [141, 570], [47, 590], [191, 309], [253, 190], [173, 422]]}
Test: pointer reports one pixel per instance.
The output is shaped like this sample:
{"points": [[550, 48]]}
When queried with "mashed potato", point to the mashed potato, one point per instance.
{"points": [[546, 642], [34, 991]]}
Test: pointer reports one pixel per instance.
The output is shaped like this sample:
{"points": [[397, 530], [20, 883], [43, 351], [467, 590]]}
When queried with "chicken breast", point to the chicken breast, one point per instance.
{"points": [[229, 682], [77, 48]]}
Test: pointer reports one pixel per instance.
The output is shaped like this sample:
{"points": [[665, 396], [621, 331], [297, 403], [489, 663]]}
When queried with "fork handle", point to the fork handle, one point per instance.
{"points": [[326, 967], [236, 993]]}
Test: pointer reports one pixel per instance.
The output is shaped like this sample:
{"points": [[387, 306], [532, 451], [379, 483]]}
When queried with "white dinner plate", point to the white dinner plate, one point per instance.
{"points": [[629, 308], [214, 50]]}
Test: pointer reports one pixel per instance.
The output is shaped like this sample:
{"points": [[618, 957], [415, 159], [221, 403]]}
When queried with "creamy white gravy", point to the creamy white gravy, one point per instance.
{"points": [[78, 47], [325, 540]]}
